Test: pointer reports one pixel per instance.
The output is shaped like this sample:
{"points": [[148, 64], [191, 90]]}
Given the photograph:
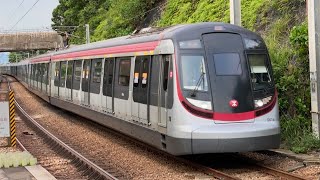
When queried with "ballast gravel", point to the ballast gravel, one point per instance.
{"points": [[131, 159], [135, 161]]}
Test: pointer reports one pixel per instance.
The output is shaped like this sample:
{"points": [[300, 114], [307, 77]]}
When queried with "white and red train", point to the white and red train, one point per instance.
{"points": [[187, 89]]}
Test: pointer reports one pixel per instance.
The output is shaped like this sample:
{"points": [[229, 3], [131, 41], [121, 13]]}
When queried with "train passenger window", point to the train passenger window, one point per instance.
{"points": [[85, 75], [63, 73], [194, 75], [227, 64], [96, 70], [108, 76], [40, 74], [36, 77], [145, 72], [57, 74], [124, 72], [32, 71], [140, 79], [69, 74], [96, 76], [45, 73], [165, 72], [77, 74]]}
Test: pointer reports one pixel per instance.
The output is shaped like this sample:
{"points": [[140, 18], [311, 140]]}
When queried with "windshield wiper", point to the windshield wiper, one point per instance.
{"points": [[193, 93]]}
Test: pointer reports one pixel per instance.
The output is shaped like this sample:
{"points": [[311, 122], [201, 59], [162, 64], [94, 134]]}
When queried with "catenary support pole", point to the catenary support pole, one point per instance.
{"points": [[235, 12], [314, 61], [87, 33]]}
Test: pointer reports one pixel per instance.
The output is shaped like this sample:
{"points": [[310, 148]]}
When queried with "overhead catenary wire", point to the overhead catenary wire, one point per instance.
{"points": [[14, 12], [24, 15]]}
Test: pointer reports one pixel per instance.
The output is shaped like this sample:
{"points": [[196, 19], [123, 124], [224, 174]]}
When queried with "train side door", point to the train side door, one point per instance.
{"points": [[85, 85], [62, 87], [69, 80], [56, 77], [163, 90], [76, 81], [95, 83], [108, 85], [140, 103]]}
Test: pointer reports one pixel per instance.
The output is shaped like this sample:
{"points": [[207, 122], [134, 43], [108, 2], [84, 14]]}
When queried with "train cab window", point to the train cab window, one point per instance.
{"points": [[57, 74], [260, 74], [69, 74], [124, 72], [227, 64], [194, 80], [108, 76], [85, 75], [96, 76], [77, 74], [194, 75], [63, 73]]}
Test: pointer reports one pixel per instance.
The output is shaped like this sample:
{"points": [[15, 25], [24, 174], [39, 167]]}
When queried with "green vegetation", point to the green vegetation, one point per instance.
{"points": [[20, 55], [106, 18], [281, 23]]}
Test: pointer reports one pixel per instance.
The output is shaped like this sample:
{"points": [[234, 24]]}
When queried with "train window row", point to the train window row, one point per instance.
{"points": [[39, 72], [150, 77]]}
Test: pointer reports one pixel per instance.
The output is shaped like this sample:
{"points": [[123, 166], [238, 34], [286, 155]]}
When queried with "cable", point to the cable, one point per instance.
{"points": [[14, 12], [24, 15]]}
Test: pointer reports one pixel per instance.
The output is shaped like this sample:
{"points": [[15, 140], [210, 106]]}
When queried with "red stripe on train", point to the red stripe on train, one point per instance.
{"points": [[148, 46]]}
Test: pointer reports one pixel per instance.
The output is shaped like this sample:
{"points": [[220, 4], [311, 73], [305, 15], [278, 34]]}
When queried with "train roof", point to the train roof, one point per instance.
{"points": [[176, 33], [184, 31]]}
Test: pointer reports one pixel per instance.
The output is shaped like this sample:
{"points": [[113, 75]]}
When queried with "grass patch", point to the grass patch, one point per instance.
{"points": [[297, 135]]}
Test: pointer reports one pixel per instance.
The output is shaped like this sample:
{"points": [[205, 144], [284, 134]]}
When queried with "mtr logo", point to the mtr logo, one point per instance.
{"points": [[233, 103]]}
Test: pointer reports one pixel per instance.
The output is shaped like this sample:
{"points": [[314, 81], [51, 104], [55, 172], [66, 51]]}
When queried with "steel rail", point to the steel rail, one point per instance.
{"points": [[279, 173], [207, 170], [269, 170], [73, 152]]}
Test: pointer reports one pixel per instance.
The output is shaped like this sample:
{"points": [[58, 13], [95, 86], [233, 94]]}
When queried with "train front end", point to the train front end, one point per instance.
{"points": [[226, 90]]}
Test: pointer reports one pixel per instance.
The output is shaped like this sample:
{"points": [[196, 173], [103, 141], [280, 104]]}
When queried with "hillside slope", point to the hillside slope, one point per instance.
{"points": [[280, 22]]}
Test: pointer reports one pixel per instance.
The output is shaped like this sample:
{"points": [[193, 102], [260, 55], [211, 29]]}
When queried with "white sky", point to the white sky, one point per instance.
{"points": [[38, 17]]}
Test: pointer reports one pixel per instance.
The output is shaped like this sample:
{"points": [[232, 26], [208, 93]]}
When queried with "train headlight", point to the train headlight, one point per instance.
{"points": [[261, 102], [200, 104], [258, 103]]}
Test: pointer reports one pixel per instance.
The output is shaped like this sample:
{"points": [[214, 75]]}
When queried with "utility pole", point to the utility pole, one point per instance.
{"points": [[87, 33], [314, 62], [235, 12]]}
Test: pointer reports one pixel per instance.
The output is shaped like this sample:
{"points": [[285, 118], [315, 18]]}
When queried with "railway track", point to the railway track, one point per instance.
{"points": [[233, 162], [212, 171], [86, 166], [207, 169]]}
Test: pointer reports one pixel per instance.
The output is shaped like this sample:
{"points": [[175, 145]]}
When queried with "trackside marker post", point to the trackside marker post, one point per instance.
{"points": [[12, 120], [7, 118]]}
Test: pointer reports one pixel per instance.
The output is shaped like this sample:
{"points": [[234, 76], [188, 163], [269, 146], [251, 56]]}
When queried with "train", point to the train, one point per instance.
{"points": [[186, 89]]}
